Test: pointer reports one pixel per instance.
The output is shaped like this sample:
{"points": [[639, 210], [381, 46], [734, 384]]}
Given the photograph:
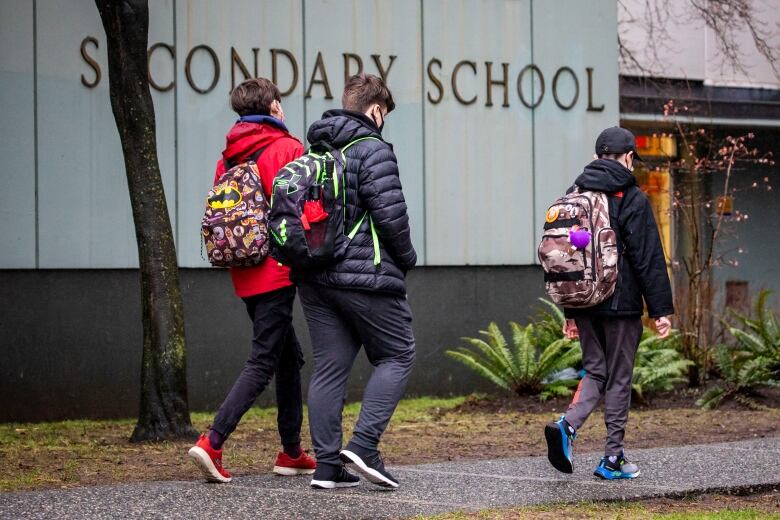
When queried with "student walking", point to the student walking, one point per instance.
{"points": [[360, 299], [610, 330], [261, 135]]}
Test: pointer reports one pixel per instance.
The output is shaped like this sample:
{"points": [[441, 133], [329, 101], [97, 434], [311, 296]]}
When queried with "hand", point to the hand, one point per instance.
{"points": [[570, 330], [663, 326]]}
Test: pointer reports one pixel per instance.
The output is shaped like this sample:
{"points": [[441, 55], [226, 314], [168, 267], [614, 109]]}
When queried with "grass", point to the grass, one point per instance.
{"points": [[707, 507], [610, 512]]}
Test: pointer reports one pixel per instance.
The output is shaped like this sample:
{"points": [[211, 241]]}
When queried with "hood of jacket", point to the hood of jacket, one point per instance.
{"points": [[605, 175], [249, 135], [337, 128]]}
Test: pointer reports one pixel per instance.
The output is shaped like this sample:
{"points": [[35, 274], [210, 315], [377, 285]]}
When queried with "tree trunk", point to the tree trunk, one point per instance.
{"points": [[164, 412]]}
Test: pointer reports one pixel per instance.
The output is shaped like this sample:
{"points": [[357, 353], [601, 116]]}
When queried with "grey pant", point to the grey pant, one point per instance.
{"points": [[340, 321], [608, 350]]}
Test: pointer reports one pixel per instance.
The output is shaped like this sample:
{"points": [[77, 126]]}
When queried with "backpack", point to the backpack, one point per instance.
{"points": [[579, 251], [234, 226], [308, 211]]}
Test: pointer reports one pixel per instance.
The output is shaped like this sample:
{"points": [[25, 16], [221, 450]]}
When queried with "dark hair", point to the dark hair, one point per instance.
{"points": [[254, 97], [363, 90]]}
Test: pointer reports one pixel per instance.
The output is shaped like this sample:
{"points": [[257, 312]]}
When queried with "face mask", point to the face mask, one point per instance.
{"points": [[377, 124], [277, 108]]}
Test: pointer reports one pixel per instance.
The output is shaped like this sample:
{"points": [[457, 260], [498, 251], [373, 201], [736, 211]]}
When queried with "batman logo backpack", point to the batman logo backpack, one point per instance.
{"points": [[578, 250], [308, 211], [235, 224]]}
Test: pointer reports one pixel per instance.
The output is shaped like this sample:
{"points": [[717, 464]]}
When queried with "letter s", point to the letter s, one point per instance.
{"points": [[90, 61], [435, 81]]}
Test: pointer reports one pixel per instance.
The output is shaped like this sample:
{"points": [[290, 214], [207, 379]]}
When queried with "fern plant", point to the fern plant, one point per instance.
{"points": [[659, 365], [753, 361], [760, 333], [548, 323], [742, 372], [525, 368]]}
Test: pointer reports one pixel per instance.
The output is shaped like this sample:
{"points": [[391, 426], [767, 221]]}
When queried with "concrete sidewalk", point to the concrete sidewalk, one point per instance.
{"points": [[425, 489]]}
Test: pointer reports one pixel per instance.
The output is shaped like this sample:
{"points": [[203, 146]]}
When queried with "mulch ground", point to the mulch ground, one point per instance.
{"points": [[512, 427]]}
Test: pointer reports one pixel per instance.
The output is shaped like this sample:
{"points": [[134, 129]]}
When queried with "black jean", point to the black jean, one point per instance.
{"points": [[275, 350]]}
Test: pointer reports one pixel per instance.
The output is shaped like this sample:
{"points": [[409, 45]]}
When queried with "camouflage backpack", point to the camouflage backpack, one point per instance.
{"points": [[234, 226], [579, 251]]}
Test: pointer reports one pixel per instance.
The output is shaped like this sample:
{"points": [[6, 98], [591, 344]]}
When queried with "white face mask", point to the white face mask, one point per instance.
{"points": [[277, 111]]}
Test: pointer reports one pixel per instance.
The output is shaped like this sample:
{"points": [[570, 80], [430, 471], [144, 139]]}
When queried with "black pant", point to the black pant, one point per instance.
{"points": [[275, 349], [340, 321]]}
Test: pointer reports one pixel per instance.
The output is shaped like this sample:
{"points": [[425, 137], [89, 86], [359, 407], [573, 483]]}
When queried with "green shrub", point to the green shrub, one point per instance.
{"points": [[753, 361], [659, 365], [537, 353]]}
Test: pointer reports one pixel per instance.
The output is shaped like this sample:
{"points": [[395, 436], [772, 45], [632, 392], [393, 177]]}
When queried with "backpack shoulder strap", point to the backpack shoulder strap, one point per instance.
{"points": [[344, 149], [374, 234], [254, 156]]}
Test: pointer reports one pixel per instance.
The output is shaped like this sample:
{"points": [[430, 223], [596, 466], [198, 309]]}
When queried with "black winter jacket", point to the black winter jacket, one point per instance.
{"points": [[374, 186], [641, 264]]}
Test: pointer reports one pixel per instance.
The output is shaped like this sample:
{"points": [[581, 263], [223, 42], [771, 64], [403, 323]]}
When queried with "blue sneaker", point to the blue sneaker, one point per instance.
{"points": [[616, 467], [560, 435]]}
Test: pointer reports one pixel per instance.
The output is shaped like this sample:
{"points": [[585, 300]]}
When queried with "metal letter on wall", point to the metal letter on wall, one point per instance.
{"points": [[235, 59], [436, 81], [504, 82], [188, 69], [350, 57], [149, 54], [455, 90], [533, 69], [319, 67], [91, 62], [555, 88], [591, 106], [383, 71], [274, 70]]}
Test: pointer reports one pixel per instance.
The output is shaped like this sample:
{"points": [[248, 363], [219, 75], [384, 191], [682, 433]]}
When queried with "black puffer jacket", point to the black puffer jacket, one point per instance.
{"points": [[641, 264], [374, 186]]}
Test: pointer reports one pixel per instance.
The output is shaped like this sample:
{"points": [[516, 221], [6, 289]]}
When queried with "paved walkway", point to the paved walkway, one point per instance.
{"points": [[425, 489]]}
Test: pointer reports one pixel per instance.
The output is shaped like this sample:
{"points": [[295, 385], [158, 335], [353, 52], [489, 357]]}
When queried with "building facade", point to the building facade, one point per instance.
{"points": [[498, 105]]}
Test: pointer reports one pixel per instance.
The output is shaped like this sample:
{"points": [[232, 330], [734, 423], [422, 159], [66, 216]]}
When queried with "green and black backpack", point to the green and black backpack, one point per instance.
{"points": [[307, 220]]}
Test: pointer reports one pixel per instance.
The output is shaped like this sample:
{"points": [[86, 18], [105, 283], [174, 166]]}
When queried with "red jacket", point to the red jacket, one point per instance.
{"points": [[244, 139]]}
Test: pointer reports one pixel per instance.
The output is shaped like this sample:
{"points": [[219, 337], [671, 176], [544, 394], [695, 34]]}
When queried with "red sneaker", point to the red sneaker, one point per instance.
{"points": [[288, 466], [209, 461]]}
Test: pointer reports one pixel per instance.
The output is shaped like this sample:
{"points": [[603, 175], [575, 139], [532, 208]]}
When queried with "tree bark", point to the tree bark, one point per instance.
{"points": [[164, 411]]}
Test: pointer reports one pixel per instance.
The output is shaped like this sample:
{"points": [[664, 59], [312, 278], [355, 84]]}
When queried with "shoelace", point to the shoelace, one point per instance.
{"points": [[381, 459]]}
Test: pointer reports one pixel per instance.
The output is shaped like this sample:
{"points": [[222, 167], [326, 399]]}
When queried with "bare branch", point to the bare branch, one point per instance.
{"points": [[727, 19]]}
